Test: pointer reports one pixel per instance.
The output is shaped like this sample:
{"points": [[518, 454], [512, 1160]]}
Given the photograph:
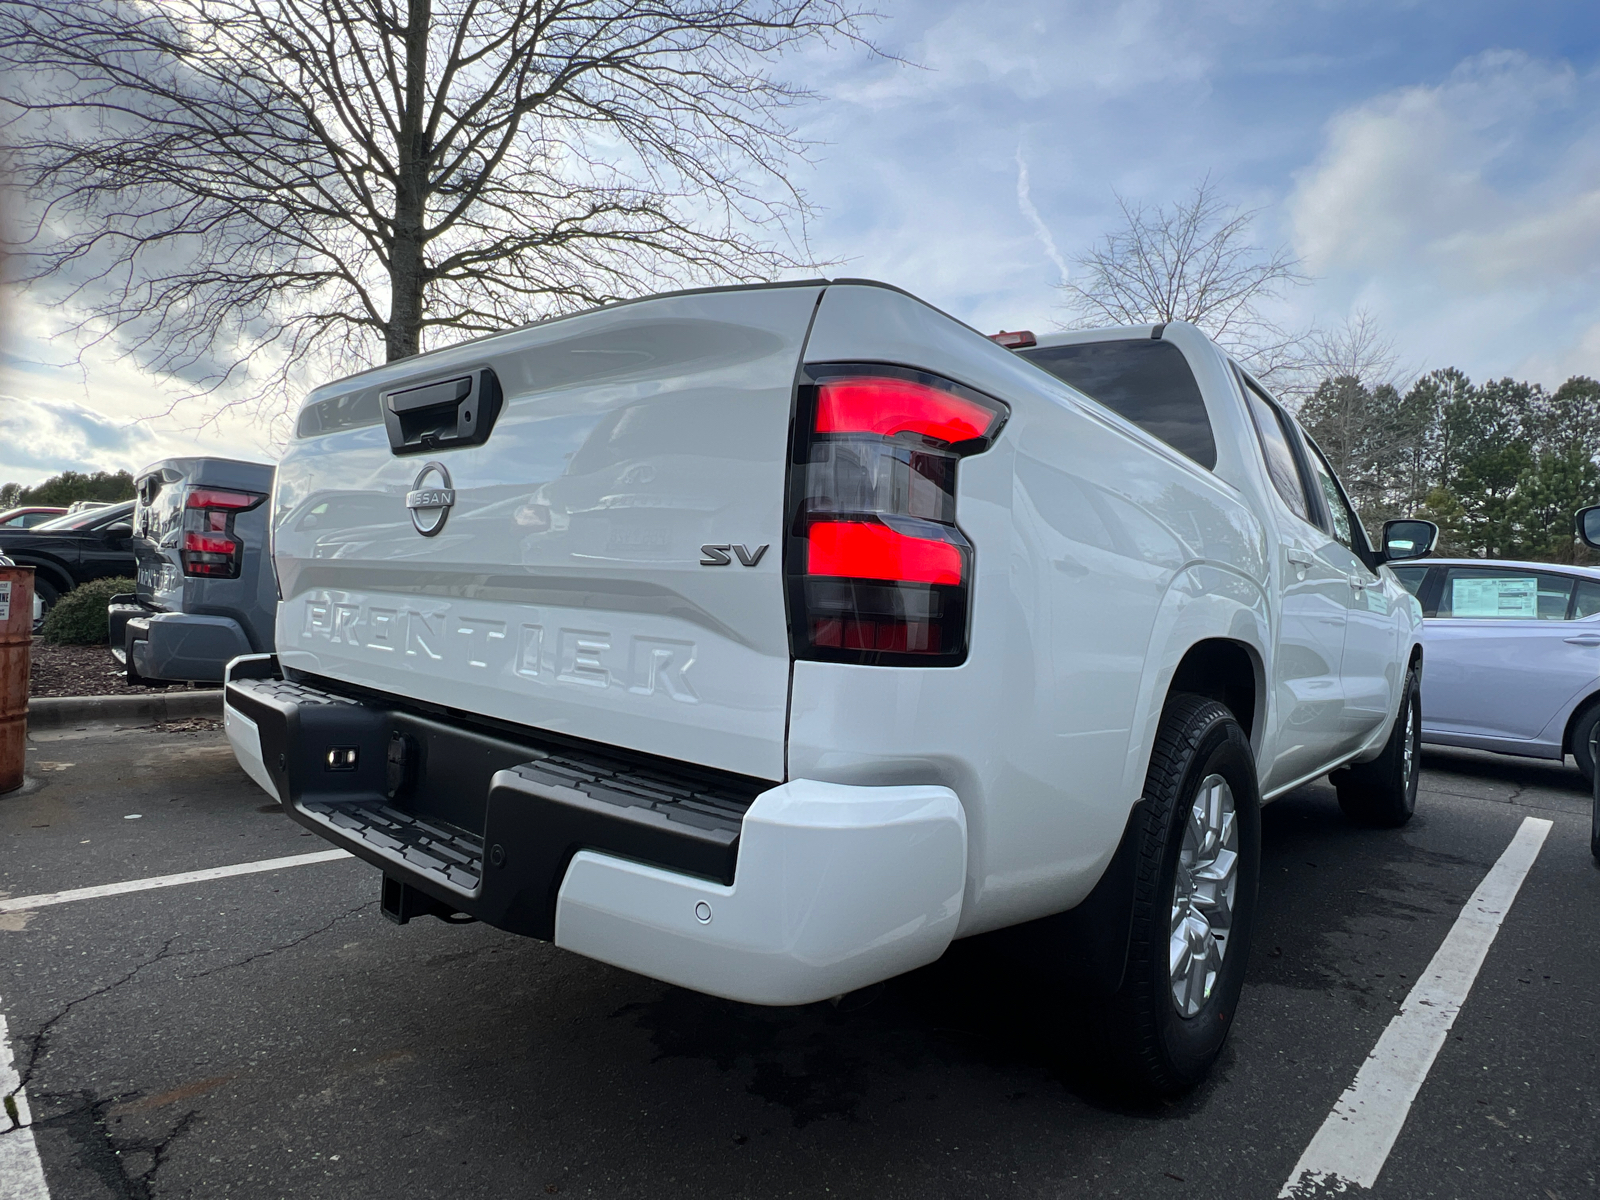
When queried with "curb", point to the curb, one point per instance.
{"points": [[54, 712]]}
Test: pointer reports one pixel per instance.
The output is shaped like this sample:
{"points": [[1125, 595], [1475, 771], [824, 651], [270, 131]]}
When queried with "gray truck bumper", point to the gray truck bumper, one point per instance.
{"points": [[179, 646]]}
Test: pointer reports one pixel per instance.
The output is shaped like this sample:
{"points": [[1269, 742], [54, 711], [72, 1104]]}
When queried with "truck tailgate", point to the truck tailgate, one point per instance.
{"points": [[554, 576]]}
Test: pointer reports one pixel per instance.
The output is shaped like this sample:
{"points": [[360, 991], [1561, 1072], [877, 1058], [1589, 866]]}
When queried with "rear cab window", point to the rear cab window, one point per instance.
{"points": [[1144, 380]]}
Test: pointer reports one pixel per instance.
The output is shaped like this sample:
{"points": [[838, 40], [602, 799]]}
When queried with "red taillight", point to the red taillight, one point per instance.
{"points": [[210, 546], [879, 574], [889, 407], [209, 498], [858, 550], [1017, 339]]}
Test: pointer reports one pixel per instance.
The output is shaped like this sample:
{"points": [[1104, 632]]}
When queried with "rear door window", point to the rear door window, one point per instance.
{"points": [[1148, 382], [1505, 594], [1280, 458]]}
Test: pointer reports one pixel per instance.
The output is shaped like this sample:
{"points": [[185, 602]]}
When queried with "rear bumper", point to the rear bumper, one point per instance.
{"points": [[760, 892], [174, 645]]}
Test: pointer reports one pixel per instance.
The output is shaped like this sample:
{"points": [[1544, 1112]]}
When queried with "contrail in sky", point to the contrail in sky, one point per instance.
{"points": [[1040, 229]]}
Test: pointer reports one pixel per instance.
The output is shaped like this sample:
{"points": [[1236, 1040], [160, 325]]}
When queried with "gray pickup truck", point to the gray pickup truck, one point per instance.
{"points": [[206, 589]]}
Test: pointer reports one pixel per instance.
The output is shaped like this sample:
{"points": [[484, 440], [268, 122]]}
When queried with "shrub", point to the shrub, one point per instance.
{"points": [[79, 617]]}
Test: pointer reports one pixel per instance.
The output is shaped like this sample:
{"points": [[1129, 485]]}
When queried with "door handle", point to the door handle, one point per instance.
{"points": [[1299, 558], [1584, 639], [1359, 583]]}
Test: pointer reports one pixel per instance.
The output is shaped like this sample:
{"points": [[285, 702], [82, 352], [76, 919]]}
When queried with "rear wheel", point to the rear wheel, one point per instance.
{"points": [[1584, 731], [1383, 792], [1194, 900]]}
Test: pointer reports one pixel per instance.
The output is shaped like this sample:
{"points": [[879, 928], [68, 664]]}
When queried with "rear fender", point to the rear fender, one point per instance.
{"points": [[1205, 601]]}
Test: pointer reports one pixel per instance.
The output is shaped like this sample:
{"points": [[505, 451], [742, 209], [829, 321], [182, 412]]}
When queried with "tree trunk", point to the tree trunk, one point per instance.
{"points": [[407, 269]]}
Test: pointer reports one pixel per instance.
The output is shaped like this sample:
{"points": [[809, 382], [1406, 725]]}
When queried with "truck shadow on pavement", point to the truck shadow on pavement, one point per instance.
{"points": [[1323, 880]]}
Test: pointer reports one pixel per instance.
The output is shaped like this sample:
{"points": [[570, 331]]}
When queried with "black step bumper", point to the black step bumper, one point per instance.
{"points": [[482, 818]]}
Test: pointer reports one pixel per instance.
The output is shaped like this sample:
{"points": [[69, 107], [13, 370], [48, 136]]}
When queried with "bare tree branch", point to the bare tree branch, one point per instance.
{"points": [[1193, 262], [236, 191]]}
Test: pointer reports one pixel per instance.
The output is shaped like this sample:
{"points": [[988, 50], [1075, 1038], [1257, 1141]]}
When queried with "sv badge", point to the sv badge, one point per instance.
{"points": [[717, 556]]}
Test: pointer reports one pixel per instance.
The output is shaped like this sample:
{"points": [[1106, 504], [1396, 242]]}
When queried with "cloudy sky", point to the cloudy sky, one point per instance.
{"points": [[1436, 163]]}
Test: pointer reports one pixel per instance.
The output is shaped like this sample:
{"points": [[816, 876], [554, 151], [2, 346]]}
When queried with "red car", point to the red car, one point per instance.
{"points": [[28, 516]]}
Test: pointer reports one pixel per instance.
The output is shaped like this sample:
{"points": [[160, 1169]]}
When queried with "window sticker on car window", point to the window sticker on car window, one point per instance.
{"points": [[1510, 596]]}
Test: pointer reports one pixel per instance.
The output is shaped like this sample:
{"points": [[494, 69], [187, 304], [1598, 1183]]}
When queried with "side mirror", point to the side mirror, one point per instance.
{"points": [[1589, 525], [1408, 539], [115, 533]]}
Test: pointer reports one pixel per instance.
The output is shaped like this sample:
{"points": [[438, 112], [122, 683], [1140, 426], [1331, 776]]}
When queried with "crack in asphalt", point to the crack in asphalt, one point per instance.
{"points": [[109, 1157], [38, 1043], [84, 1118], [289, 945]]}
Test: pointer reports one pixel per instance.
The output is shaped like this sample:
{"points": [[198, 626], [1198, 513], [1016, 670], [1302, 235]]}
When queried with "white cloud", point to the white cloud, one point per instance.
{"points": [[1466, 216], [38, 439], [101, 411]]}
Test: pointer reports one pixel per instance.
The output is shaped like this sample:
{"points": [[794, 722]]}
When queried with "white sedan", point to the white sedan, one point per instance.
{"points": [[1511, 656]]}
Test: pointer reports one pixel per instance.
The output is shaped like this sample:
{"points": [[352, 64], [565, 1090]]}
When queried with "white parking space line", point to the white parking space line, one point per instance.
{"points": [[21, 1173], [46, 899], [1354, 1142]]}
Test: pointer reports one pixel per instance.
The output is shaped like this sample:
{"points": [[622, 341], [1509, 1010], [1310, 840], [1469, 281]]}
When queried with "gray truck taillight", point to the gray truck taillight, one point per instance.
{"points": [[878, 571], [210, 546]]}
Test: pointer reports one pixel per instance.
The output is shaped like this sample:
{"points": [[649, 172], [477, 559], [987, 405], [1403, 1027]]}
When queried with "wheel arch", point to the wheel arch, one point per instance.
{"points": [[59, 577], [1579, 710], [1212, 616], [1227, 671]]}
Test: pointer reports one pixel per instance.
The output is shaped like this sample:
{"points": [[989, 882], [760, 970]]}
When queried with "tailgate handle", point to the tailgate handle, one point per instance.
{"points": [[442, 414]]}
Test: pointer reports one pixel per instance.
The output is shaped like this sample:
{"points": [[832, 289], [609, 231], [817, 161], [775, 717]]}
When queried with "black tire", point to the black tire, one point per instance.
{"points": [[48, 594], [1594, 824], [1157, 1050], [1584, 730], [1383, 792], [1594, 782]]}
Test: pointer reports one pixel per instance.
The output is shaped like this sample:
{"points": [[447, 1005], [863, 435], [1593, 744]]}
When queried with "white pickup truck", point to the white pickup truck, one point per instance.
{"points": [[764, 640]]}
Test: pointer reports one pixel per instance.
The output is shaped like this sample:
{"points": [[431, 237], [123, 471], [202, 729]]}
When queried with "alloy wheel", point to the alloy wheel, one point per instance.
{"points": [[1203, 895]]}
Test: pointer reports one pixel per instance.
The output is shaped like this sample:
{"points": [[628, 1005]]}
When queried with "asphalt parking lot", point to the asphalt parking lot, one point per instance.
{"points": [[272, 1035]]}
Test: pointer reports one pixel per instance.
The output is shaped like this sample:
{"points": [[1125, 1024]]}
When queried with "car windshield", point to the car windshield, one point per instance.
{"points": [[94, 518]]}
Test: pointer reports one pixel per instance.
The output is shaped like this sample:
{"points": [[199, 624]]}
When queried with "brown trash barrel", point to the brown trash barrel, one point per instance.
{"points": [[16, 650]]}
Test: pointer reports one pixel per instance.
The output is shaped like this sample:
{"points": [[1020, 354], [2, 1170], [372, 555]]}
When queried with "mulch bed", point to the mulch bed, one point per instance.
{"points": [[80, 671], [186, 725]]}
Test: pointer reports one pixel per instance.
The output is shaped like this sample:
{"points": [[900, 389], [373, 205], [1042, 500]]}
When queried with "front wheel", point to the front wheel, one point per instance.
{"points": [[1194, 900], [1383, 792]]}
